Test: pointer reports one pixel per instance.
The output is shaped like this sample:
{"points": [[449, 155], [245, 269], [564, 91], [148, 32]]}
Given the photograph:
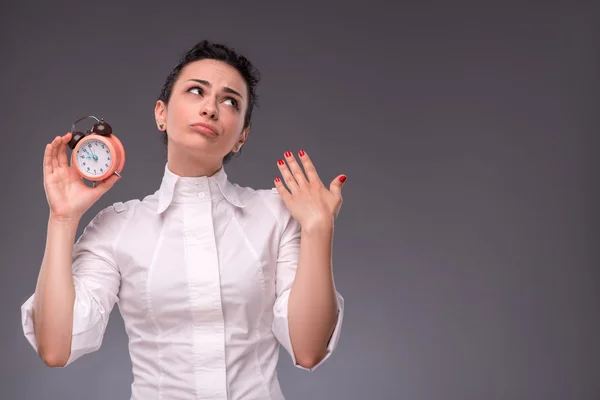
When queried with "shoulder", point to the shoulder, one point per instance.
{"points": [[113, 216], [113, 220], [124, 210], [265, 202], [120, 209], [254, 198]]}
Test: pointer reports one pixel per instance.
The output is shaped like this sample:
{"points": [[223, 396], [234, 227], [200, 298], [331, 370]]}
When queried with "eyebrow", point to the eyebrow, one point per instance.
{"points": [[225, 89]]}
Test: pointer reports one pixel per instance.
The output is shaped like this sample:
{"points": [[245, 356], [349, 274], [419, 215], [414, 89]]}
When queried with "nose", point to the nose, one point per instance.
{"points": [[209, 109]]}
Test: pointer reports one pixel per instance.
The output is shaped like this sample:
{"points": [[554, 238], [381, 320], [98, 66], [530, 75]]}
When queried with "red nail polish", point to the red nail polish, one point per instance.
{"points": [[280, 162], [342, 179], [301, 152], [277, 179], [288, 153]]}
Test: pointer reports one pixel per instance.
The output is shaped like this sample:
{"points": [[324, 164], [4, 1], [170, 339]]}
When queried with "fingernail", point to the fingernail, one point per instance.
{"points": [[280, 162], [342, 178], [288, 153], [277, 179], [301, 152]]}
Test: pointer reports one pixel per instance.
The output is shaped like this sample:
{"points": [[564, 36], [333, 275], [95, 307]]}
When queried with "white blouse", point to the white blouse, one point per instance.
{"points": [[201, 271]]}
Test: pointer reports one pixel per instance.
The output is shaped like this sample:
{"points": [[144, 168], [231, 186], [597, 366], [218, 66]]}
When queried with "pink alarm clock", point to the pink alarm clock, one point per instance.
{"points": [[97, 153]]}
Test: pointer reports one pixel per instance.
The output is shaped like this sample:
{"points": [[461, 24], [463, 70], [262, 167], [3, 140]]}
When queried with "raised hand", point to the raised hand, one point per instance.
{"points": [[67, 194], [307, 199]]}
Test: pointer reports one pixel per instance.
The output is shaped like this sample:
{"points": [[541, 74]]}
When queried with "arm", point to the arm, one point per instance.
{"points": [[55, 294], [313, 305], [67, 315], [299, 272]]}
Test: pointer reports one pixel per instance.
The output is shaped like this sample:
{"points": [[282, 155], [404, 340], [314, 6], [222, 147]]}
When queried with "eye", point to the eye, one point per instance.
{"points": [[234, 102], [194, 89]]}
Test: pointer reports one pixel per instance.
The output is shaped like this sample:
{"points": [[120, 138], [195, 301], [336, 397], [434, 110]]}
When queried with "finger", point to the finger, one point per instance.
{"points": [[55, 144], [48, 160], [62, 150], [106, 184], [288, 178], [295, 168], [283, 192], [336, 185], [309, 168]]}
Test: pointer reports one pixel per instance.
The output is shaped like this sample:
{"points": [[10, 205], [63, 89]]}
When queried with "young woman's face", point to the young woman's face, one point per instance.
{"points": [[205, 114]]}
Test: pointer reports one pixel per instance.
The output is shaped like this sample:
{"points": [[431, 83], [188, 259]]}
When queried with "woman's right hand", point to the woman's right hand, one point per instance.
{"points": [[67, 194]]}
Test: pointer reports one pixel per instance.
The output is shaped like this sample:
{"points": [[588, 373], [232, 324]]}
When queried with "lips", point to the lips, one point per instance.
{"points": [[207, 129]]}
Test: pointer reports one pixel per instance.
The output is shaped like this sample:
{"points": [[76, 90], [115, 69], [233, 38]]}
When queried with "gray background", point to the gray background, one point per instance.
{"points": [[466, 248]]}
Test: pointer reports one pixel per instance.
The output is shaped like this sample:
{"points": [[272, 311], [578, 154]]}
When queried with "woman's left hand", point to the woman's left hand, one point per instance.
{"points": [[308, 200]]}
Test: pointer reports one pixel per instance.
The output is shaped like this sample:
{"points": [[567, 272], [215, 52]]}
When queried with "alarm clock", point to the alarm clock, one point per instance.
{"points": [[98, 153]]}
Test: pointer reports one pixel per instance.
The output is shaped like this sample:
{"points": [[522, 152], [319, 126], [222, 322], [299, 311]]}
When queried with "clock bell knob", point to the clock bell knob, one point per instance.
{"points": [[102, 128], [75, 138]]}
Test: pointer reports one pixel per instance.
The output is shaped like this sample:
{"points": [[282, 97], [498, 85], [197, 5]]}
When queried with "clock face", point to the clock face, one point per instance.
{"points": [[94, 157]]}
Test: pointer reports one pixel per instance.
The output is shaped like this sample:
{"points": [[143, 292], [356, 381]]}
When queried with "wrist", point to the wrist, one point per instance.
{"points": [[63, 219], [318, 226]]}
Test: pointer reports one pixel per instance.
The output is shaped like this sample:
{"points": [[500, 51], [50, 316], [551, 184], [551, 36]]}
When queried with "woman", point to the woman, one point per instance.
{"points": [[210, 277]]}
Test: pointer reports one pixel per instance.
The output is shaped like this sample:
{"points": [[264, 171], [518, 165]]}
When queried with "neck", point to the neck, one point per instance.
{"points": [[186, 165]]}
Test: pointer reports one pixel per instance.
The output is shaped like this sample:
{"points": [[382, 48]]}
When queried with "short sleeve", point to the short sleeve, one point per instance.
{"points": [[287, 262], [97, 281]]}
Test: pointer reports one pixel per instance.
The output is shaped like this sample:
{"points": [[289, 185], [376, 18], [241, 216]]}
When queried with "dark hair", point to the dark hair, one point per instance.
{"points": [[220, 52]]}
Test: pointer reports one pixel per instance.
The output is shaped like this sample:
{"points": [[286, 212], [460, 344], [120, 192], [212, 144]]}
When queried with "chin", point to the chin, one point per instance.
{"points": [[196, 141], [197, 148]]}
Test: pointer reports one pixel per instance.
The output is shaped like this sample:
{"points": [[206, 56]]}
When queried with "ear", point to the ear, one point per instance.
{"points": [[244, 135], [160, 115]]}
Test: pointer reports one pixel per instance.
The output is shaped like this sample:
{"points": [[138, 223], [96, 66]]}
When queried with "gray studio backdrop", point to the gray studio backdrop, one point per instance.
{"points": [[466, 248]]}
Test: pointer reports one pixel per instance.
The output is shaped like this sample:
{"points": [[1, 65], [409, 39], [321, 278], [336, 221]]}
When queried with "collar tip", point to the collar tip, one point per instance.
{"points": [[236, 202]]}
